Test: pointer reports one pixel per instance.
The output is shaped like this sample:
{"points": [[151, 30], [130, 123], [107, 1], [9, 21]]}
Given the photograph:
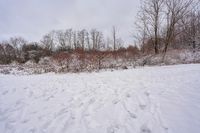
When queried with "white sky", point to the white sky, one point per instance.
{"points": [[31, 19]]}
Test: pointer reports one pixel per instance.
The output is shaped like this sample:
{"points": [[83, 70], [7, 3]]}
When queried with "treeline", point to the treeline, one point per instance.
{"points": [[61, 43], [164, 24], [160, 25], [69, 39]]}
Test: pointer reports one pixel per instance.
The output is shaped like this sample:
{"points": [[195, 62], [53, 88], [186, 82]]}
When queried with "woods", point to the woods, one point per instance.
{"points": [[165, 23], [161, 26]]}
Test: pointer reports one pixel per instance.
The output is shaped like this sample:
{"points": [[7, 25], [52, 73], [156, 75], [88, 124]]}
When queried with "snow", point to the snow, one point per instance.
{"points": [[145, 100]]}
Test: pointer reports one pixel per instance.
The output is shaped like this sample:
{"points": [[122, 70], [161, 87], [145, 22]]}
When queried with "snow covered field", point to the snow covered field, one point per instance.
{"points": [[144, 100]]}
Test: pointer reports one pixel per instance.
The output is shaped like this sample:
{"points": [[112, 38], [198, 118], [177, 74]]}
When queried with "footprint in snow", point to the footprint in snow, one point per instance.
{"points": [[48, 98], [132, 115], [25, 121], [18, 102], [87, 115], [32, 130], [91, 101], [33, 112], [40, 117], [142, 106], [144, 129], [147, 93], [128, 95], [62, 112], [115, 101], [47, 124], [5, 92]]}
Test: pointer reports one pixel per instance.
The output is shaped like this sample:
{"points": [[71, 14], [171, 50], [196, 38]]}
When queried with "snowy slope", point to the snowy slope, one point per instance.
{"points": [[145, 100]]}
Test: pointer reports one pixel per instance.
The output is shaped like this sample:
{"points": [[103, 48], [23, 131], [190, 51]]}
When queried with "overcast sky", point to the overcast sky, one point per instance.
{"points": [[31, 19]]}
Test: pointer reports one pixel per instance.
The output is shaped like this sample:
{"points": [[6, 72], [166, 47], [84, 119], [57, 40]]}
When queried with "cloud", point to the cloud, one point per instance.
{"points": [[33, 18]]}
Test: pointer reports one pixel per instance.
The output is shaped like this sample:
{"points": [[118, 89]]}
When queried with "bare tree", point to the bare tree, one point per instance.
{"points": [[97, 39], [114, 37], [61, 37], [93, 33], [142, 29], [149, 23], [82, 38], [69, 36], [188, 31], [87, 37], [191, 30], [153, 10], [108, 43], [74, 39], [176, 10], [7, 53], [2, 54], [119, 43], [17, 43], [48, 41], [100, 41]]}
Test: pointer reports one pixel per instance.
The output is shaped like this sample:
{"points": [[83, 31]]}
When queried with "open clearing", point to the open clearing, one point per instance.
{"points": [[144, 100]]}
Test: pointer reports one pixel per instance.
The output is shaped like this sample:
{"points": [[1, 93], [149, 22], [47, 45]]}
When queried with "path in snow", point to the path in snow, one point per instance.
{"points": [[145, 100]]}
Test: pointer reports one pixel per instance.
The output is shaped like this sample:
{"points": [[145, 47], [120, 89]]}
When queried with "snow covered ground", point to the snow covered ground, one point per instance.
{"points": [[144, 100]]}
